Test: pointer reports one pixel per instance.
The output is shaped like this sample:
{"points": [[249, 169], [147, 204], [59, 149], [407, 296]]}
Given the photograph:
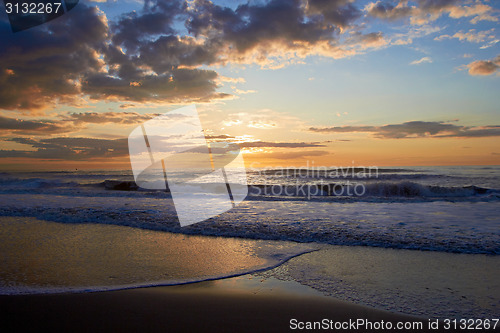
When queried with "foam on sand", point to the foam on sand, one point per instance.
{"points": [[422, 283]]}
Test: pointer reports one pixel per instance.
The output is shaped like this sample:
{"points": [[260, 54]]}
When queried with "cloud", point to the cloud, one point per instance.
{"points": [[231, 79], [40, 127], [250, 33], [489, 44], [69, 148], [256, 31], [42, 66], [70, 122], [160, 54], [263, 144], [484, 67], [264, 119], [180, 85], [472, 36], [343, 129], [80, 55], [340, 13], [421, 61], [243, 92], [292, 155], [79, 148], [479, 12], [387, 11], [277, 32], [422, 12], [416, 129], [127, 106], [141, 57], [413, 32], [127, 118], [272, 34]]}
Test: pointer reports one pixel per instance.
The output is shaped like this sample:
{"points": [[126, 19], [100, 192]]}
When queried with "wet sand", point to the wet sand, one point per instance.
{"points": [[218, 306], [46, 258]]}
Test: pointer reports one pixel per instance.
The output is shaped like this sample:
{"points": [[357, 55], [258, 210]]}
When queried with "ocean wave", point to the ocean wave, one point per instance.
{"points": [[342, 191], [33, 183], [329, 170], [405, 189], [465, 227]]}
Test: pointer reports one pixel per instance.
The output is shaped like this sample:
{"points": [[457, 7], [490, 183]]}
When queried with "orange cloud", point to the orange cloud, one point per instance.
{"points": [[484, 67]]}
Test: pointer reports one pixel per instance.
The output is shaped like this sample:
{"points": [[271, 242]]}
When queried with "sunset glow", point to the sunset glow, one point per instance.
{"points": [[295, 83]]}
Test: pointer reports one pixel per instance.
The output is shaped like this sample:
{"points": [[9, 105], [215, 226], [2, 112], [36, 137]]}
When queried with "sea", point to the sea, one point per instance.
{"points": [[450, 209], [86, 231]]}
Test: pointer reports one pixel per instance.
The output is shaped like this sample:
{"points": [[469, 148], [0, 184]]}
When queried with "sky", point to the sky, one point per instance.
{"points": [[293, 82]]}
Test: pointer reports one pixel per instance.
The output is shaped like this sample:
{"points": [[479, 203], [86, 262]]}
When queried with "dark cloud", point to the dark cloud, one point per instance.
{"points": [[280, 144], [27, 127], [157, 54], [78, 148], [43, 65], [89, 148], [69, 148], [252, 32], [256, 24], [168, 52], [388, 10], [157, 18], [436, 5], [126, 106], [295, 154], [416, 129], [179, 85], [477, 132], [110, 117], [149, 60], [79, 54], [71, 122], [340, 13], [343, 129], [219, 137], [266, 144]]}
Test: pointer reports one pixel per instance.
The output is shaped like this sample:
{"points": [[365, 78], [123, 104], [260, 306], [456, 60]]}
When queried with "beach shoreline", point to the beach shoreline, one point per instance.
{"points": [[229, 305], [103, 278]]}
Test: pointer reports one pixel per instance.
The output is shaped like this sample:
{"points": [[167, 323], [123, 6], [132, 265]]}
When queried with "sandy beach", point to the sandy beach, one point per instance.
{"points": [[201, 307], [103, 278]]}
